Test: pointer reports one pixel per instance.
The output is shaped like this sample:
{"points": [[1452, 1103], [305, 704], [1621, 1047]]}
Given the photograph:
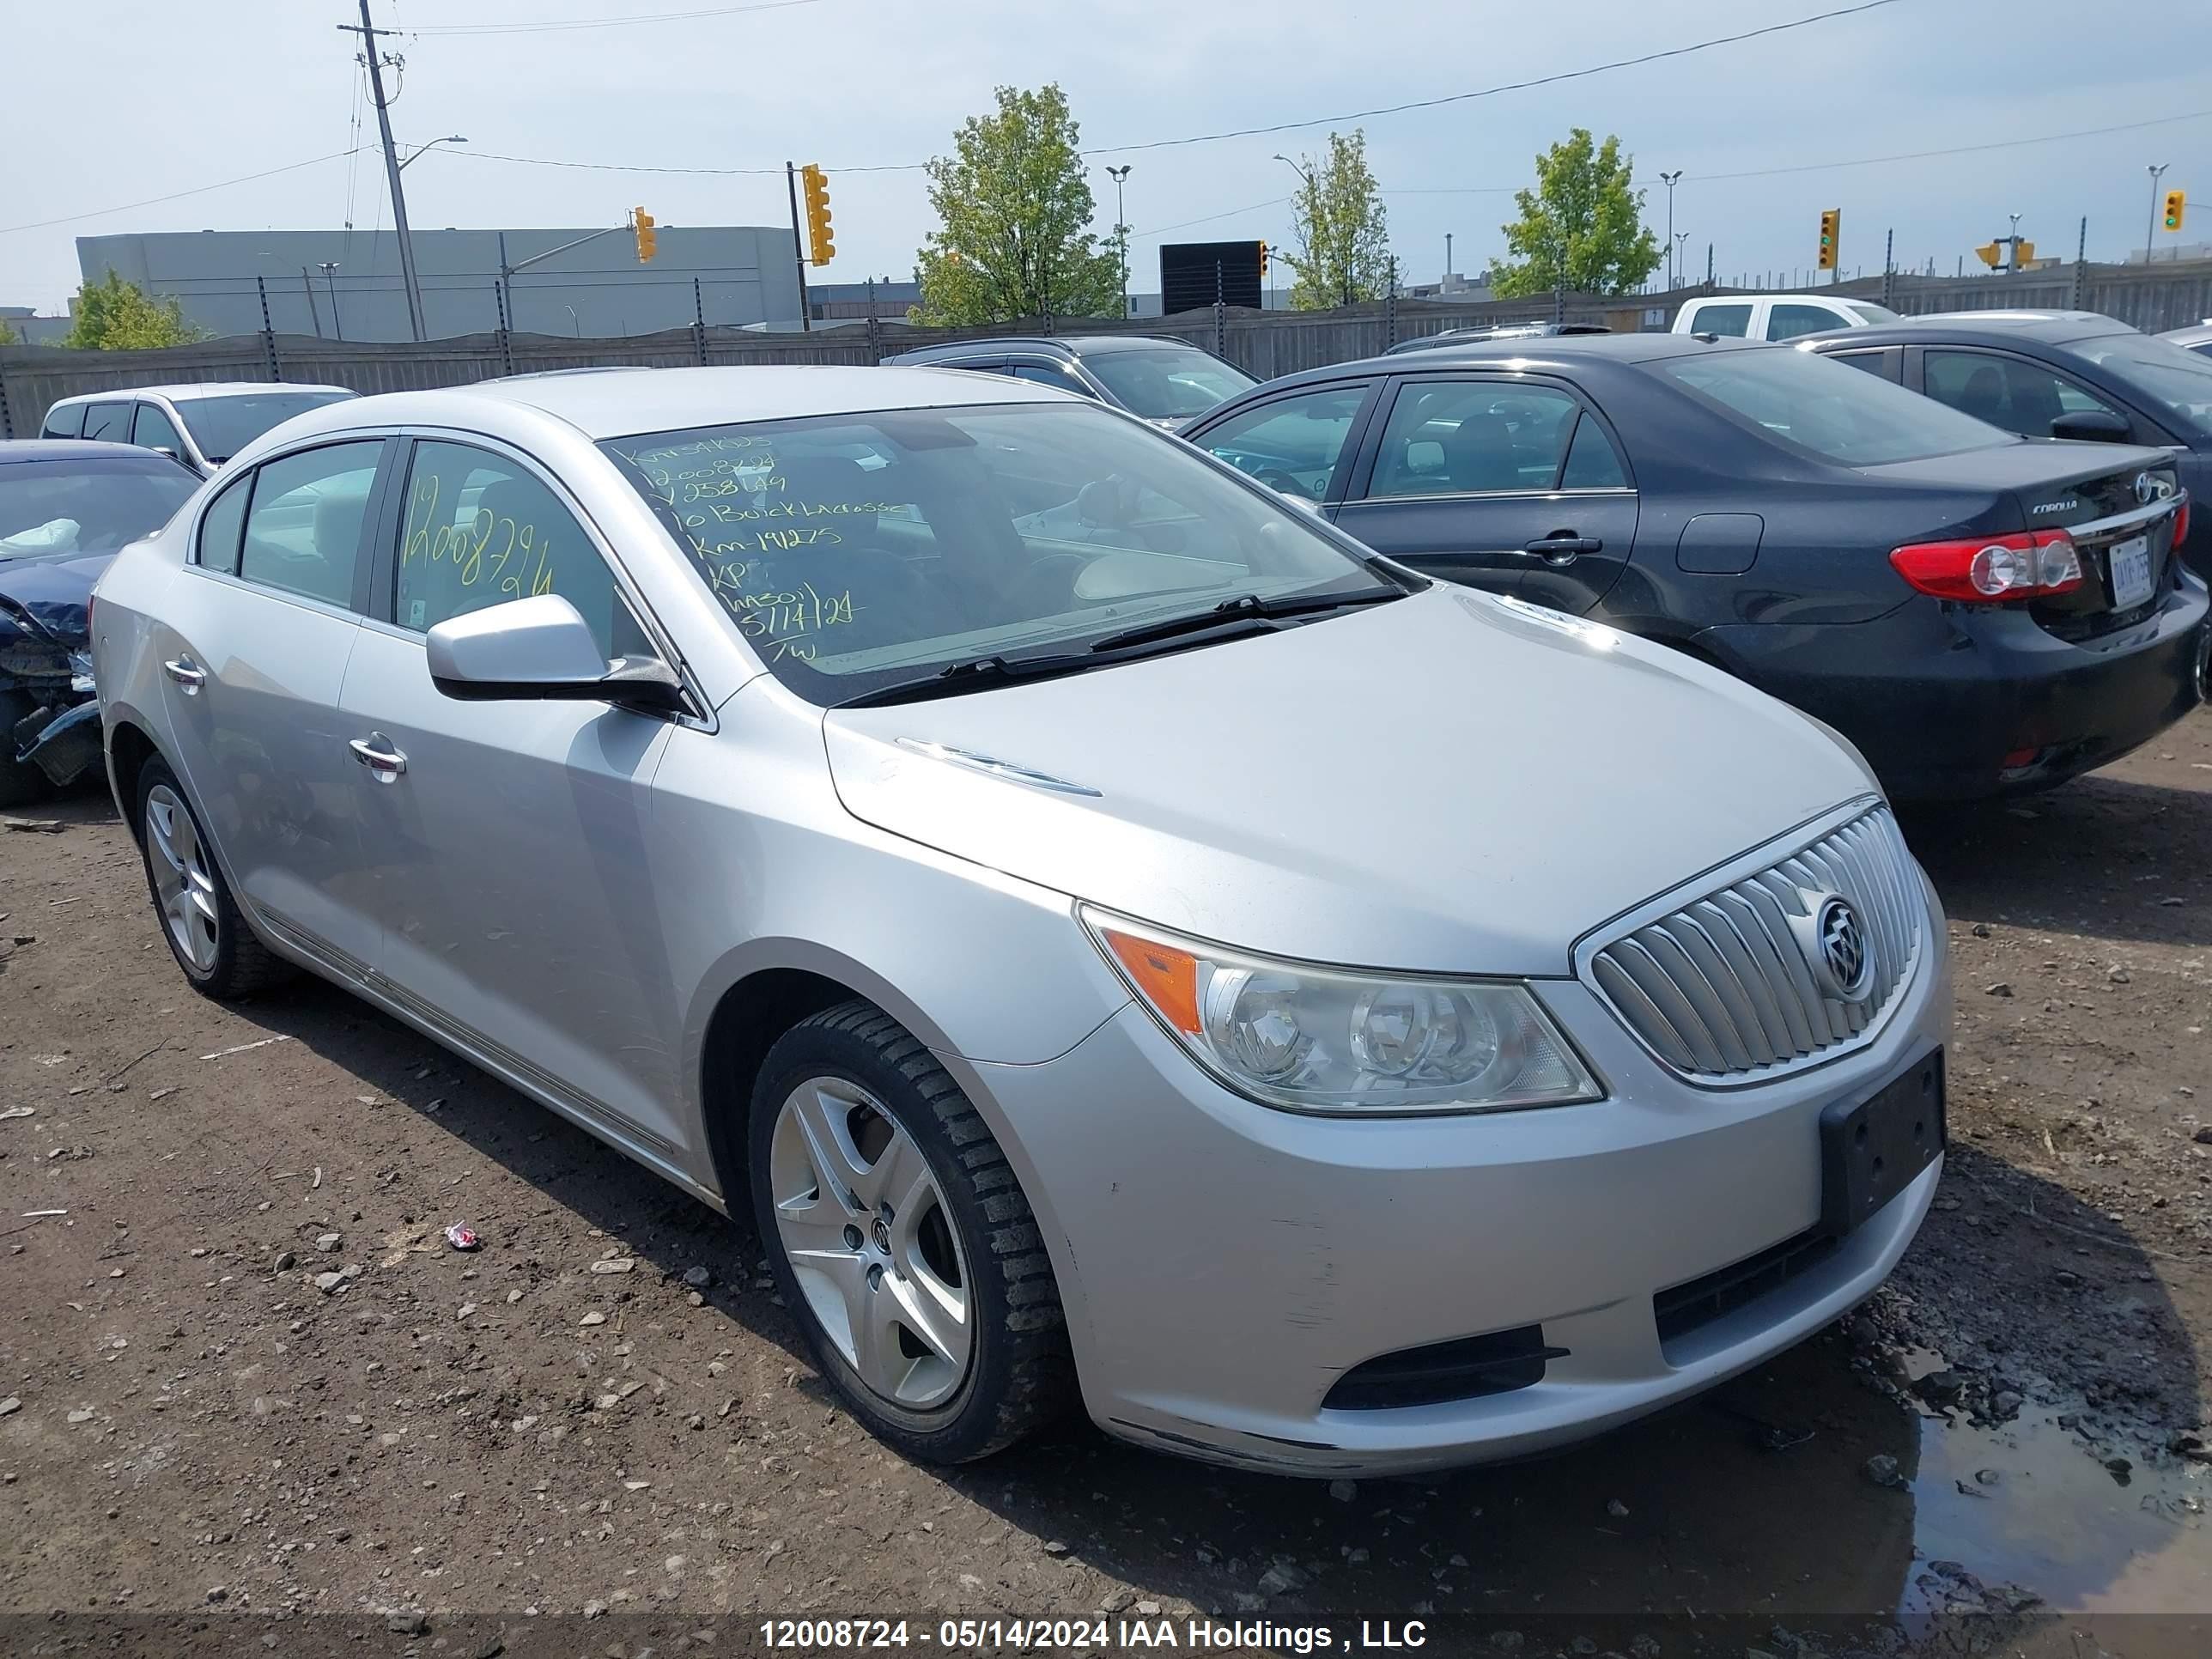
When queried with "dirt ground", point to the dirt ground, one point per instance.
{"points": [[448, 1452]]}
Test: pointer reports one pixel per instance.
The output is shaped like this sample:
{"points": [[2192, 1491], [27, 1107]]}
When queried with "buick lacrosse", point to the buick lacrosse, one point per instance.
{"points": [[1117, 939]]}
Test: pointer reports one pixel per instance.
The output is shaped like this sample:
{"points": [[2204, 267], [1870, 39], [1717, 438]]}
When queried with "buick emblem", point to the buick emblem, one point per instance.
{"points": [[1844, 962]]}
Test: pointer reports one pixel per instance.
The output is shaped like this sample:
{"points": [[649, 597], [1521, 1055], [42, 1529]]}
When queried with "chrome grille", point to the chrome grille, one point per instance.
{"points": [[1721, 988]]}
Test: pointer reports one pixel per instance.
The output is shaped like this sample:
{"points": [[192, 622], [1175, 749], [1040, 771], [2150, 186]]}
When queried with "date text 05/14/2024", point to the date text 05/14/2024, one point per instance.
{"points": [[990, 1635]]}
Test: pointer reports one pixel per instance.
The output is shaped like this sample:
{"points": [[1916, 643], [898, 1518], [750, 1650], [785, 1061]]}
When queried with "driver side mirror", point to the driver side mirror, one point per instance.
{"points": [[2093, 425], [540, 648]]}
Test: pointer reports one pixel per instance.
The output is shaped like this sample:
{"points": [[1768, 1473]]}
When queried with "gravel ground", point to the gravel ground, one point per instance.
{"points": [[242, 1373]]}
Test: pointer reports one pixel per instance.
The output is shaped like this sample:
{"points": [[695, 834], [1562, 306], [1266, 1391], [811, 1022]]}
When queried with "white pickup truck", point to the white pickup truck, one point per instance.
{"points": [[1776, 316]]}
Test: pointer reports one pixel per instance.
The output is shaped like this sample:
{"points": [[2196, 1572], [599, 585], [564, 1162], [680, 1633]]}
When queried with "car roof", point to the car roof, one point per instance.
{"points": [[1542, 351], [2051, 327], [1067, 345], [668, 399], [1818, 298], [2191, 335], [199, 389], [81, 449]]}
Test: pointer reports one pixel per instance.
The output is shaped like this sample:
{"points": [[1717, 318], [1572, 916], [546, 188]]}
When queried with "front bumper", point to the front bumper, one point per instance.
{"points": [[1223, 1264], [1937, 697]]}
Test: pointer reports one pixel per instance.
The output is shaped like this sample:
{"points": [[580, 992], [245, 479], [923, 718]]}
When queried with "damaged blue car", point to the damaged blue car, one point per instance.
{"points": [[65, 510]]}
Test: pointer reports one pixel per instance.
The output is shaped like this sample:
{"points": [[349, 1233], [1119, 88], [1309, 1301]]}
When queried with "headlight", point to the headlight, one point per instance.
{"points": [[1324, 1040]]}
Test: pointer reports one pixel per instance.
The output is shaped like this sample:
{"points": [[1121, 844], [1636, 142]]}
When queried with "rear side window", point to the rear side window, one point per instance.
{"points": [[1591, 463], [109, 422], [2021, 397], [304, 529], [1473, 437], [1822, 408], [220, 528], [481, 530], [1722, 319], [1787, 322], [64, 421]]}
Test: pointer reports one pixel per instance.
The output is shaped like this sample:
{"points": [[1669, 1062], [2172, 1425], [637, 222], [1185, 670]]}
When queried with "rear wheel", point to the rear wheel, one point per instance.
{"points": [[902, 1241], [207, 935]]}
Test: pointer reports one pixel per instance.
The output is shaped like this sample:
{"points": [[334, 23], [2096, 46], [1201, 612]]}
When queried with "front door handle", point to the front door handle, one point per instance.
{"points": [[1563, 547], [376, 752], [186, 673]]}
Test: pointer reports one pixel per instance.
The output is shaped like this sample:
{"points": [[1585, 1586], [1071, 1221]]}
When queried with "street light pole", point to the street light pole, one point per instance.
{"points": [[419, 150], [1312, 227], [329, 269], [2150, 225], [1675, 272], [369, 32], [1120, 176]]}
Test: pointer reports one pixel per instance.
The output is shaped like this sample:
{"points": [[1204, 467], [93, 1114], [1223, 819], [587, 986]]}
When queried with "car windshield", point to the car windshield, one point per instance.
{"points": [[59, 510], [2178, 382], [224, 426], [1829, 410], [1167, 383], [855, 551], [1871, 312]]}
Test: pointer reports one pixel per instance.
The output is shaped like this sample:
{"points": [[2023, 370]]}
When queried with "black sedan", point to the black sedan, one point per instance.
{"points": [[2053, 374], [65, 509], [1977, 613]]}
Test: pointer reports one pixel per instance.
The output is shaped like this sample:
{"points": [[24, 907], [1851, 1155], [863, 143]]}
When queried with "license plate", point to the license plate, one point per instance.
{"points": [[1871, 1149], [2130, 573]]}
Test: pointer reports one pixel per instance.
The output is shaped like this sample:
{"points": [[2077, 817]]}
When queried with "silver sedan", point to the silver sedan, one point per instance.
{"points": [[1114, 937]]}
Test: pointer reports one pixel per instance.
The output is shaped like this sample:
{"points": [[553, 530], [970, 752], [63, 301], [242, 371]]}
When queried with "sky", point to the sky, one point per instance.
{"points": [[136, 105]]}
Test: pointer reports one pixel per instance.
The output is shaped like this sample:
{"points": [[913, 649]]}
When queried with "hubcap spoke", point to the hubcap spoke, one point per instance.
{"points": [[182, 881], [933, 1311], [898, 1178], [822, 1109]]}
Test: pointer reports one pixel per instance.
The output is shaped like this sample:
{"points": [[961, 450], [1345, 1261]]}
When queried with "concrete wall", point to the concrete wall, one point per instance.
{"points": [[745, 275]]}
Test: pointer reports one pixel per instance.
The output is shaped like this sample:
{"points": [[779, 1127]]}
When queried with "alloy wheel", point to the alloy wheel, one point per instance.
{"points": [[871, 1243], [182, 881]]}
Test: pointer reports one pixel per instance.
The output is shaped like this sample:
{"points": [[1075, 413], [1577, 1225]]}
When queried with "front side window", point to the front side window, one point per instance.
{"points": [[109, 422], [1787, 322], [1167, 382], [304, 527], [151, 429], [481, 530], [1722, 319], [1871, 313], [860, 551], [1059, 379], [224, 426], [2175, 381], [1291, 444], [1473, 437], [1823, 409], [62, 508], [2007, 392]]}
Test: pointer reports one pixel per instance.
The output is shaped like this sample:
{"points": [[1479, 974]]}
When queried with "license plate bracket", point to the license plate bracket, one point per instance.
{"points": [[2131, 573], [1872, 1149]]}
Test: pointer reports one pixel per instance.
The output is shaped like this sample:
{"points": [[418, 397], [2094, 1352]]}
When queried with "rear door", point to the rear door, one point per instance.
{"points": [[254, 642], [1498, 480]]}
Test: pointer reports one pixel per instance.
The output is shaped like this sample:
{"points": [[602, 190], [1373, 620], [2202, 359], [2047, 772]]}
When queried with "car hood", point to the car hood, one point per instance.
{"points": [[1448, 783], [43, 612]]}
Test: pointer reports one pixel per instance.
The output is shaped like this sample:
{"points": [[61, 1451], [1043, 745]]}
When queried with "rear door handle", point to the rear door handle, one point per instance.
{"points": [[1564, 547], [376, 753], [186, 673]]}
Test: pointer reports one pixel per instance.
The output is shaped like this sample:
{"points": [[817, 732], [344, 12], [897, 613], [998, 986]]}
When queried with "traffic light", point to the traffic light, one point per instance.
{"points": [[648, 242], [1989, 254], [2175, 201], [1831, 225], [815, 185], [1263, 260], [2023, 255]]}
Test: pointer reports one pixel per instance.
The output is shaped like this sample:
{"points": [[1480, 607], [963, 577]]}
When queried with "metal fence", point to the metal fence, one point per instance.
{"points": [[1265, 344]]}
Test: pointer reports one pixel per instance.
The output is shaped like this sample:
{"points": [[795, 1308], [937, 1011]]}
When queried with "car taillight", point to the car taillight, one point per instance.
{"points": [[2181, 522], [1987, 568]]}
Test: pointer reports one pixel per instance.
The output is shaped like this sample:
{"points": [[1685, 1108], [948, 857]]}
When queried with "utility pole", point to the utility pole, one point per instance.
{"points": [[2150, 225], [798, 244], [2081, 255], [1674, 267], [369, 32], [1888, 265]]}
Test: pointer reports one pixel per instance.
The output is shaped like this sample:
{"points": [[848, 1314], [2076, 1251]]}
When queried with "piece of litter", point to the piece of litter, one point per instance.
{"points": [[462, 1237], [318, 1180], [32, 1215], [241, 1048], [18, 1111], [161, 1094]]}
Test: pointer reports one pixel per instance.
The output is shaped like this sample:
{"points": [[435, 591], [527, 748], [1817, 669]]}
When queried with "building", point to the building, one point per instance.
{"points": [[346, 283], [29, 328], [850, 302]]}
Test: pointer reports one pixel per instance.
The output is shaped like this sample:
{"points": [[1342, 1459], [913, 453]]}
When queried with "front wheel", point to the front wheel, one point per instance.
{"points": [[902, 1241], [20, 781]]}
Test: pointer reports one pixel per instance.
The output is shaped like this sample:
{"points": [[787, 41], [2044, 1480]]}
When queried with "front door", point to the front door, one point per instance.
{"points": [[1499, 483], [255, 642], [509, 838]]}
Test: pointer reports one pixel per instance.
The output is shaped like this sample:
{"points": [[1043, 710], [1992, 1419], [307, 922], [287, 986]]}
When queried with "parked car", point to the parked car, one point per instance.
{"points": [[2198, 337], [202, 426], [743, 763], [1776, 316], [64, 508], [1168, 382], [1977, 613], [2054, 374], [1452, 337]]}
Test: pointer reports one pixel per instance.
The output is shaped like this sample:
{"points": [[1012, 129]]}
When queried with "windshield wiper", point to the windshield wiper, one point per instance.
{"points": [[1242, 606], [978, 674]]}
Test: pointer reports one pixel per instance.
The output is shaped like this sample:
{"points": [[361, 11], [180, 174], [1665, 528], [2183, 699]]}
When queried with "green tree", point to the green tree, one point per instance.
{"points": [[1344, 245], [115, 315], [1015, 206], [1582, 228], [7, 335]]}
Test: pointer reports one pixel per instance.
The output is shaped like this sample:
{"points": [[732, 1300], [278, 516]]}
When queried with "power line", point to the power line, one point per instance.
{"points": [[602, 23], [618, 166], [179, 195], [1961, 149]]}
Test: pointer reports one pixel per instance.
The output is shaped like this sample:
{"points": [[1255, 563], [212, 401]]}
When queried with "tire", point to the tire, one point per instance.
{"points": [[1018, 1373], [20, 781], [235, 964]]}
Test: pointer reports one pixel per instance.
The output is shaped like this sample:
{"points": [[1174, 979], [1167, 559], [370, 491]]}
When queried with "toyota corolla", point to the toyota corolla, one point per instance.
{"points": [[1117, 939]]}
